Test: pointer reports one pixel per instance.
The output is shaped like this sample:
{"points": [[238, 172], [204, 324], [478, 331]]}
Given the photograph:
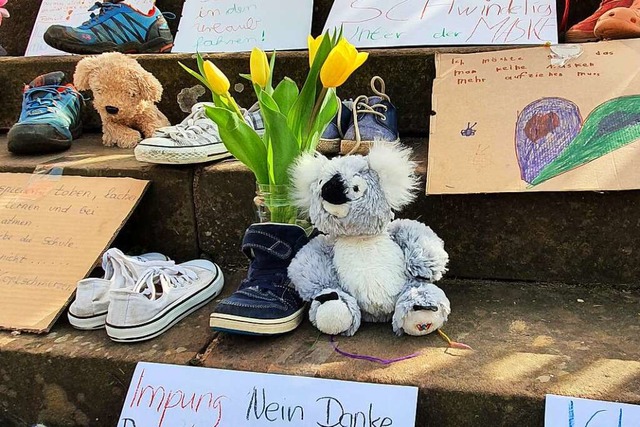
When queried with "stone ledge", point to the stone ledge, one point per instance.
{"points": [[165, 219], [528, 340]]}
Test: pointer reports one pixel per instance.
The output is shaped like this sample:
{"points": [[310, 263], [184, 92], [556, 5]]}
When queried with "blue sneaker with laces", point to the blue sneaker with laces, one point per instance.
{"points": [[117, 27], [50, 117], [266, 303]]}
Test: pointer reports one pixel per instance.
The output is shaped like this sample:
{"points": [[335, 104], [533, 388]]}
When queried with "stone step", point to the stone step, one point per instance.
{"points": [[576, 237], [528, 340]]}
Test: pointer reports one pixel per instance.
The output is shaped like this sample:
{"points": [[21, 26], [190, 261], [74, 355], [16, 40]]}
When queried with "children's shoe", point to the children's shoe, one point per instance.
{"points": [[89, 309], [266, 303], [116, 28], [375, 118], [332, 137], [161, 298], [584, 31], [619, 23], [50, 117], [195, 140]]}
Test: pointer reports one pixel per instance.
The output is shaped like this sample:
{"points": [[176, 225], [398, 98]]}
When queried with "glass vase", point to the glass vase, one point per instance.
{"points": [[274, 204]]}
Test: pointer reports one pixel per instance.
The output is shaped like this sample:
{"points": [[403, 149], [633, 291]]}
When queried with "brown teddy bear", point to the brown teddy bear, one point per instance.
{"points": [[124, 95]]}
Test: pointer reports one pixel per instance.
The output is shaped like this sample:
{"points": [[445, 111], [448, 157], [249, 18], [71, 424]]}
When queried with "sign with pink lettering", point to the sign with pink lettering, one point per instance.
{"points": [[170, 396], [241, 25], [383, 23]]}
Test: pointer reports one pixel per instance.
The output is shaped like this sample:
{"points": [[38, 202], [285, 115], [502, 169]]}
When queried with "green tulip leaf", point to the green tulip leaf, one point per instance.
{"points": [[285, 95], [196, 75], [328, 111], [241, 141], [283, 145]]}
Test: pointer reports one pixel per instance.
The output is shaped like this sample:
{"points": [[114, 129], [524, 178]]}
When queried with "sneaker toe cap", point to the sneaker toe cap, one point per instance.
{"points": [[247, 307]]}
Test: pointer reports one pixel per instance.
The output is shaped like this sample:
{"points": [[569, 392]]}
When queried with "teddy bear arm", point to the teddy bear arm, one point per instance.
{"points": [[420, 303], [120, 135], [333, 311], [312, 269], [152, 121], [423, 250]]}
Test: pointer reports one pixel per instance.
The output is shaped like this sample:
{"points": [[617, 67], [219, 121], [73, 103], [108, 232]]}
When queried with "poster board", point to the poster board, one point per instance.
{"points": [[241, 25], [510, 121], [388, 23], [563, 411], [170, 395], [70, 13], [53, 228]]}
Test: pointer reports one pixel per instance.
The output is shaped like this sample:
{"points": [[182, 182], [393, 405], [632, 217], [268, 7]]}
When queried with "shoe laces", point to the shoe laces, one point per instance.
{"points": [[103, 8], [157, 280], [194, 128], [361, 106], [42, 99]]}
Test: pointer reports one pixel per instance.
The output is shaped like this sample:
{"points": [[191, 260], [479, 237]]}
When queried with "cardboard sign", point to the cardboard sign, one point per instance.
{"points": [[70, 13], [241, 25], [170, 396], [382, 23], [513, 121], [52, 231], [561, 411]]}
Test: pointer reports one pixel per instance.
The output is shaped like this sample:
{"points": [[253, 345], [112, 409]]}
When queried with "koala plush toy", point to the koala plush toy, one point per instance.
{"points": [[365, 265]]}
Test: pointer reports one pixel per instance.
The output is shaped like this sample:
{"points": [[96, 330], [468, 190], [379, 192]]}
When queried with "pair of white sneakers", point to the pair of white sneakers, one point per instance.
{"points": [[141, 297]]}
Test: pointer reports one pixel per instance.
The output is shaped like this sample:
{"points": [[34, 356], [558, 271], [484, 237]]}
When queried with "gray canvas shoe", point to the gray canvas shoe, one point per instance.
{"points": [[332, 136], [375, 118]]}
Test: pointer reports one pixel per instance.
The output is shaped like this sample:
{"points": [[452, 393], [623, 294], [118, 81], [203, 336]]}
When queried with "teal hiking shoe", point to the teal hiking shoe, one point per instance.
{"points": [[117, 27], [50, 117]]}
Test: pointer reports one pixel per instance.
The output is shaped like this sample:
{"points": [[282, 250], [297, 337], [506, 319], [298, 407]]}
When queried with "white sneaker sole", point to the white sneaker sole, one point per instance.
{"points": [[181, 155], [89, 323], [248, 325], [169, 316]]}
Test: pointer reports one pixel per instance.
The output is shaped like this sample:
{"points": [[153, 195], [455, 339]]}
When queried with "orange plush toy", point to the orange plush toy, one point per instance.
{"points": [[125, 95]]}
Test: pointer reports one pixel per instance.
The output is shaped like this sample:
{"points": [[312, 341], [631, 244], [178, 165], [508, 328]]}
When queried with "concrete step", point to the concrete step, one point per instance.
{"points": [[528, 340], [575, 237]]}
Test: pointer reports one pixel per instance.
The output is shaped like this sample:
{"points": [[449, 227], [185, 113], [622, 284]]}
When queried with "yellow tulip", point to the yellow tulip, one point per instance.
{"points": [[314, 45], [260, 70], [217, 80], [342, 61]]}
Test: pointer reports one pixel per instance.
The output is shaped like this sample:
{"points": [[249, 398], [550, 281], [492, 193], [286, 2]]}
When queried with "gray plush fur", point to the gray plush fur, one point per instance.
{"points": [[374, 186]]}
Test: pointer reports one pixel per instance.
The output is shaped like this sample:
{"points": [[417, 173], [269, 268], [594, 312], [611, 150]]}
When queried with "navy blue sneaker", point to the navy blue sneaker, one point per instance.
{"points": [[266, 303], [330, 140], [375, 118], [116, 28], [50, 117]]}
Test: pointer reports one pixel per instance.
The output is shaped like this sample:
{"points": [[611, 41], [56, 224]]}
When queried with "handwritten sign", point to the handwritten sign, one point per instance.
{"points": [[541, 131], [382, 23], [52, 230], [241, 25], [561, 411], [169, 395], [70, 13]]}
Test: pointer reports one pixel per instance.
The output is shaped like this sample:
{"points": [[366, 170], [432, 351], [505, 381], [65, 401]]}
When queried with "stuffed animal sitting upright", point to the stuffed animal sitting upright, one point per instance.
{"points": [[367, 266], [124, 94]]}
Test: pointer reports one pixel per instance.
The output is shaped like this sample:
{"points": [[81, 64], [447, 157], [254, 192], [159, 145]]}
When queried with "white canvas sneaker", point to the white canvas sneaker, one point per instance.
{"points": [[89, 309], [195, 140], [161, 298]]}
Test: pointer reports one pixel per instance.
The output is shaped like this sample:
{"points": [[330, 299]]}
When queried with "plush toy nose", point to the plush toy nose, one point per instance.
{"points": [[425, 307], [111, 110], [333, 191]]}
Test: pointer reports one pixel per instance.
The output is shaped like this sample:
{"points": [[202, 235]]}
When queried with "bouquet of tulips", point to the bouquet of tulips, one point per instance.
{"points": [[294, 119]]}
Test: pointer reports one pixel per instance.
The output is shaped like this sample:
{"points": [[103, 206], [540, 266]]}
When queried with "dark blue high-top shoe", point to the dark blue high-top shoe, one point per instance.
{"points": [[266, 303]]}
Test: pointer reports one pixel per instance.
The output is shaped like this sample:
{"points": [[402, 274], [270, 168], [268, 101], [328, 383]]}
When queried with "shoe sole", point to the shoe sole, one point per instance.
{"points": [[157, 45], [180, 155], [347, 145], [328, 146], [88, 323], [250, 326], [39, 139], [167, 318]]}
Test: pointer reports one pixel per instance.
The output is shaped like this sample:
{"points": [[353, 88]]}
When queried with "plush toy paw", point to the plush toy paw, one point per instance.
{"points": [[128, 139], [334, 312], [421, 310]]}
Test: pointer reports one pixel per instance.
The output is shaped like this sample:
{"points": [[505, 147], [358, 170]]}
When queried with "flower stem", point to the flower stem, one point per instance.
{"points": [[316, 109], [234, 105]]}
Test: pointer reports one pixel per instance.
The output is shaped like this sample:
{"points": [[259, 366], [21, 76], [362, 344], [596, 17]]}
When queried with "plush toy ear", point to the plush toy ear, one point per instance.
{"points": [[83, 72], [396, 172], [149, 87], [305, 172]]}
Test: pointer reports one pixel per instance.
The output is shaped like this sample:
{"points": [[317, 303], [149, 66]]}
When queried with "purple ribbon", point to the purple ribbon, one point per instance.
{"points": [[370, 358]]}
